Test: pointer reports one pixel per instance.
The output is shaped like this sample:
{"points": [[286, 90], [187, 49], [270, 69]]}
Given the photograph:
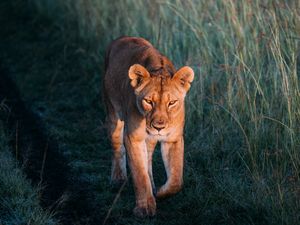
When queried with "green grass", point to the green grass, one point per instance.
{"points": [[19, 201], [242, 124]]}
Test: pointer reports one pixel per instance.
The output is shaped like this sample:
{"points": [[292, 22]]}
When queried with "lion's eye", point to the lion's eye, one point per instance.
{"points": [[148, 101], [172, 102]]}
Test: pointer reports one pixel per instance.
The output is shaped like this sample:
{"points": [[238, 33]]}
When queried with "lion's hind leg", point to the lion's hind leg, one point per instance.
{"points": [[118, 170]]}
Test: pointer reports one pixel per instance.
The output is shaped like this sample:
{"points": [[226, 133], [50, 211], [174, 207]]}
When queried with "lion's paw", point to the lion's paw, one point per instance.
{"points": [[145, 209]]}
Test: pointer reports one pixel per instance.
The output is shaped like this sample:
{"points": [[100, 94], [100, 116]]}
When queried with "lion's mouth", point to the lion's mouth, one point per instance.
{"points": [[154, 132]]}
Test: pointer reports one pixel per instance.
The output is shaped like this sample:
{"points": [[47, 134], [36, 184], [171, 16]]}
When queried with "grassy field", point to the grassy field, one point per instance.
{"points": [[19, 201], [242, 152]]}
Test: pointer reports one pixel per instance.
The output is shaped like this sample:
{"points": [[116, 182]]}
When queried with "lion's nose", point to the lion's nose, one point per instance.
{"points": [[158, 124]]}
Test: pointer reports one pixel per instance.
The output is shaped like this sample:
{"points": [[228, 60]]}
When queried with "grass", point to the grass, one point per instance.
{"points": [[19, 201], [242, 124]]}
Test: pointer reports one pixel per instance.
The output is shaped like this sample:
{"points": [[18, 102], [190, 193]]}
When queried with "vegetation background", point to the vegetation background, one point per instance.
{"points": [[242, 151]]}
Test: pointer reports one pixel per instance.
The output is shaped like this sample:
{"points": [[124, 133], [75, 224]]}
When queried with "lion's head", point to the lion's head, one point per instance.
{"points": [[160, 98]]}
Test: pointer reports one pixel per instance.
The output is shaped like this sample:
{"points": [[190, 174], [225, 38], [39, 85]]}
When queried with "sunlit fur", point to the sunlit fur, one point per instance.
{"points": [[144, 97], [161, 91]]}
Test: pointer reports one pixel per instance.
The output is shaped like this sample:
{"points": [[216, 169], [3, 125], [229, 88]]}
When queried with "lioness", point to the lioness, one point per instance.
{"points": [[144, 96]]}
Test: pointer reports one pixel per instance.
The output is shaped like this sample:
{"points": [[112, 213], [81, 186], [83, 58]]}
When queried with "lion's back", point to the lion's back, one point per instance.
{"points": [[120, 55], [124, 51]]}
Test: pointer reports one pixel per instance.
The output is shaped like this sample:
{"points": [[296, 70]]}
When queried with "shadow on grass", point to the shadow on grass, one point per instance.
{"points": [[41, 159]]}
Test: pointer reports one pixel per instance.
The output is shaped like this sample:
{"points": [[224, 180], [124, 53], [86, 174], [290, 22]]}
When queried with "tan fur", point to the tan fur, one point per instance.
{"points": [[144, 96]]}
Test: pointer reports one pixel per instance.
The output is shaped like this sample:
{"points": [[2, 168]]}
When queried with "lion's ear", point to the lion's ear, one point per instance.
{"points": [[185, 77], [137, 73]]}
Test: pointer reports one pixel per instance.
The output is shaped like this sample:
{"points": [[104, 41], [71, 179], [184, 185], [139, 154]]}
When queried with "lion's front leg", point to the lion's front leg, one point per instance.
{"points": [[172, 153], [137, 155], [151, 143]]}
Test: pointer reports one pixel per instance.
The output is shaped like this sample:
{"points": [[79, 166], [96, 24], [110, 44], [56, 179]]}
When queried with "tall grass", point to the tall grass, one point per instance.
{"points": [[243, 111]]}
